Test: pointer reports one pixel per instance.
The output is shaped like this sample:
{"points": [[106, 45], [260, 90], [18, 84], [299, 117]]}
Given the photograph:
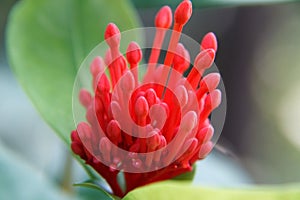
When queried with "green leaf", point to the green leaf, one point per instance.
{"points": [[207, 3], [188, 176], [121, 181], [94, 185], [48, 39], [86, 193], [179, 190]]}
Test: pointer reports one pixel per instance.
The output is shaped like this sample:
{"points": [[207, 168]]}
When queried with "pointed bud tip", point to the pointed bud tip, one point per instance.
{"points": [[216, 77], [216, 97], [191, 144], [133, 53], [111, 30], [84, 130], [115, 109], [127, 82], [163, 18], [103, 85], [205, 59], [85, 98], [189, 121], [211, 81], [74, 136], [97, 66], [105, 145], [113, 131], [205, 149], [182, 95], [183, 12], [180, 49], [206, 134], [112, 35], [141, 107], [151, 96], [209, 41], [77, 149]]}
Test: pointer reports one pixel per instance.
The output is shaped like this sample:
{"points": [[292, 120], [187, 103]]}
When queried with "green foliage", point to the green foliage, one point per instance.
{"points": [[178, 190], [48, 39], [188, 176], [94, 186]]}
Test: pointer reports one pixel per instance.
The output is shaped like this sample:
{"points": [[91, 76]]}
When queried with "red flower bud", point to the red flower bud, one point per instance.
{"points": [[183, 12], [163, 18]]}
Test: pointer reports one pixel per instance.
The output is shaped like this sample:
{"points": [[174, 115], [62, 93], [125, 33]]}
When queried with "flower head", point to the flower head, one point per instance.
{"points": [[156, 128]]}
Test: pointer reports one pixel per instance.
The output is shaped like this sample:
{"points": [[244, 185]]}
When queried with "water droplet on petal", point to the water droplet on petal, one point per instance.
{"points": [[137, 163]]}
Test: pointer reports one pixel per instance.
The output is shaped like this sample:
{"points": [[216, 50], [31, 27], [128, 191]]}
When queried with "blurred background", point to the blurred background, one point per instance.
{"points": [[258, 58]]}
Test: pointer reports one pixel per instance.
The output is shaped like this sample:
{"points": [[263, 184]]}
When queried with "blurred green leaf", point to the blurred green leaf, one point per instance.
{"points": [[188, 176], [48, 39], [87, 193], [207, 3], [178, 190], [102, 194], [121, 181]]}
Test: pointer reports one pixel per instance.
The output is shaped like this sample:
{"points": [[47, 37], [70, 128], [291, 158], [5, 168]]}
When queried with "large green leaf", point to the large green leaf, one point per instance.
{"points": [[208, 3], [174, 190], [48, 39]]}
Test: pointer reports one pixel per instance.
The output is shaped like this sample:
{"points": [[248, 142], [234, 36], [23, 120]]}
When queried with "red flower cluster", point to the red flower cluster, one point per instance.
{"points": [[154, 129]]}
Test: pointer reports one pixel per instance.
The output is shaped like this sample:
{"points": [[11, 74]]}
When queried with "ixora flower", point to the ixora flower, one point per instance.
{"points": [[156, 127]]}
